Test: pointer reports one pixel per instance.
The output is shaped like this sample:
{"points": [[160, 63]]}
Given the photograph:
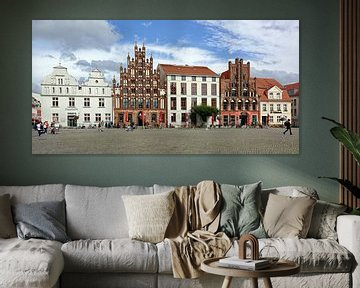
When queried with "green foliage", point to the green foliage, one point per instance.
{"points": [[351, 141], [203, 111]]}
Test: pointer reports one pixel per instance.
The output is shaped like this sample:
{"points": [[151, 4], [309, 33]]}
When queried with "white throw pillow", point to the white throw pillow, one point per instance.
{"points": [[149, 215]]}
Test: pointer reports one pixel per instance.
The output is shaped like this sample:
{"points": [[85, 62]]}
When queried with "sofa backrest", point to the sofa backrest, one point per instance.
{"points": [[35, 193], [98, 212]]}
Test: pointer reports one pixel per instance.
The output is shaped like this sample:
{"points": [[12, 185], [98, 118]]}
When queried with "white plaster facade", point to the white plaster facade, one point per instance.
{"points": [[185, 90], [66, 102], [276, 108]]}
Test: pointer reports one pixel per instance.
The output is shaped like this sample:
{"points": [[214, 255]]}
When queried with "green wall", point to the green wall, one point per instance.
{"points": [[319, 74]]}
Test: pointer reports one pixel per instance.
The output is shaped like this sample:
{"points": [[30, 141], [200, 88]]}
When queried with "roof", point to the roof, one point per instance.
{"points": [[264, 84], [293, 86], [187, 70]]}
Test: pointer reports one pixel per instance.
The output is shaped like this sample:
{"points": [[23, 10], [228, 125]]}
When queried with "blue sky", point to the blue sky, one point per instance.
{"points": [[271, 46]]}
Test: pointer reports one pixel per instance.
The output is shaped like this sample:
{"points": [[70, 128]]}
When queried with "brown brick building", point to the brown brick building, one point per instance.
{"points": [[137, 97], [238, 101]]}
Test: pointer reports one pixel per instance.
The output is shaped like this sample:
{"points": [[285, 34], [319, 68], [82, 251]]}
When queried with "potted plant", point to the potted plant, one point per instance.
{"points": [[351, 141]]}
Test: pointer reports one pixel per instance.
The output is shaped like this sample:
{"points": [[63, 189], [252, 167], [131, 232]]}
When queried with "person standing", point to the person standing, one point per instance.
{"points": [[287, 126]]}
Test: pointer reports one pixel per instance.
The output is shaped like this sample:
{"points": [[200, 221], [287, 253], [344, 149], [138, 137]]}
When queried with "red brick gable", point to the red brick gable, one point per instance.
{"points": [[187, 70]]}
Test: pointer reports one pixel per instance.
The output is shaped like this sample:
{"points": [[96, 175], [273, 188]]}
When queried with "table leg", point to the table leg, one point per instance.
{"points": [[267, 283], [227, 282], [254, 282]]}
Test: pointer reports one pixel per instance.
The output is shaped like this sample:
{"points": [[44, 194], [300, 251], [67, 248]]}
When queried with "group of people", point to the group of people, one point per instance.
{"points": [[42, 128]]}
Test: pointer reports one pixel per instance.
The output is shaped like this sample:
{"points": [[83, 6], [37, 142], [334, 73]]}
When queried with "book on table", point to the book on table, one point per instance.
{"points": [[236, 262]]}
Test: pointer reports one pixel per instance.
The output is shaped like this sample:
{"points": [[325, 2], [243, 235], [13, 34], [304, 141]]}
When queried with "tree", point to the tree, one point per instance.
{"points": [[203, 111]]}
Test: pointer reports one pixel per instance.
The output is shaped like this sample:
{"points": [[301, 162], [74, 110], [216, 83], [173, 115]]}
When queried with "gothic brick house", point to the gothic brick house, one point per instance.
{"points": [[137, 98]]}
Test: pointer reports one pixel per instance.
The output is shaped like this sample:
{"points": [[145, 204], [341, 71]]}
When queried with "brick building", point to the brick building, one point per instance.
{"points": [[239, 102], [137, 97]]}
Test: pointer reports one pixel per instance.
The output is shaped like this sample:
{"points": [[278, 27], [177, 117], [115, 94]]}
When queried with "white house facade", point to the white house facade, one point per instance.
{"points": [[186, 87], [66, 102]]}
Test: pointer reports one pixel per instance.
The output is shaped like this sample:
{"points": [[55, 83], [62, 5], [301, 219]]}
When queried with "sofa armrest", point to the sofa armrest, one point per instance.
{"points": [[348, 230]]}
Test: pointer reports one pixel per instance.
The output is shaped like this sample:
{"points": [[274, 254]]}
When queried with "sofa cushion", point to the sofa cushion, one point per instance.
{"points": [[117, 255], [44, 220], [7, 226], [240, 210], [287, 216], [323, 222], [98, 212], [34, 193], [30, 263], [149, 215]]}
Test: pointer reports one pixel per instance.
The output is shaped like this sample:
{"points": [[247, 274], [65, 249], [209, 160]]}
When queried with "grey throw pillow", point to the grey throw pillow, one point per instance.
{"points": [[44, 220], [7, 226], [240, 213], [323, 222]]}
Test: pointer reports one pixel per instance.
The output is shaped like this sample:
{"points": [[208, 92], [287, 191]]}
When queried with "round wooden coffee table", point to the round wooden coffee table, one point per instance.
{"points": [[281, 268]]}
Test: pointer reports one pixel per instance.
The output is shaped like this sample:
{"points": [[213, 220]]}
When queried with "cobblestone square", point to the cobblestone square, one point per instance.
{"points": [[167, 141]]}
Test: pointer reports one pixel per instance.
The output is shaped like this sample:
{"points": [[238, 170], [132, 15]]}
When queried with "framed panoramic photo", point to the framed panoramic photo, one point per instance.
{"points": [[165, 87]]}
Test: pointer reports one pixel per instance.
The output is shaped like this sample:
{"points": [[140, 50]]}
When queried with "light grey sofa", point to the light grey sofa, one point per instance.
{"points": [[102, 255]]}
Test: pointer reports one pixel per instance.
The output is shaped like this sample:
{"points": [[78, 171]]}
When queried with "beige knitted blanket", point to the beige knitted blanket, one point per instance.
{"points": [[191, 231]]}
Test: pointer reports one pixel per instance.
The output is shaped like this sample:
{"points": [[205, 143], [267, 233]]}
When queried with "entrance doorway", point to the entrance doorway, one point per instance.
{"points": [[243, 119], [72, 120]]}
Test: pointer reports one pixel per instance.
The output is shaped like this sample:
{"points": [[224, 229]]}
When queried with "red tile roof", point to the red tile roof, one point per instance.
{"points": [[187, 70], [264, 84], [293, 86]]}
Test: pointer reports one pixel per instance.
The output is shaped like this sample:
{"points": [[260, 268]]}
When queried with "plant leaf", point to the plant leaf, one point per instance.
{"points": [[349, 139], [347, 184]]}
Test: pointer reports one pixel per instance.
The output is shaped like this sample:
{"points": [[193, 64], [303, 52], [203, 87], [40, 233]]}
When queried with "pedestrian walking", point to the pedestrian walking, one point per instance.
{"points": [[287, 126], [40, 128]]}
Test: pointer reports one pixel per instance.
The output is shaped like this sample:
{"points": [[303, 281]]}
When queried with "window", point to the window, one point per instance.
{"points": [[101, 102], [247, 105], [86, 117], [53, 90], [60, 90], [173, 117], [203, 89], [278, 119], [89, 90], [203, 79], [264, 107], [213, 89], [173, 103], [55, 102], [253, 105], [140, 103], [213, 102], [193, 78], [271, 107], [125, 103], [278, 107], [193, 102], [97, 117], [173, 77], [232, 105], [86, 102], [132, 103], [107, 117], [271, 119], [132, 72], [203, 101], [147, 103], [193, 89], [183, 117], [147, 72], [173, 88], [67, 90], [183, 78], [103, 90], [155, 103], [183, 88], [285, 107], [183, 103], [213, 79], [225, 105], [71, 102], [55, 117]]}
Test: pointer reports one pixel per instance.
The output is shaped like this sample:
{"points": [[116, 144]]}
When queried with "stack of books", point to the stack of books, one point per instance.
{"points": [[248, 264]]}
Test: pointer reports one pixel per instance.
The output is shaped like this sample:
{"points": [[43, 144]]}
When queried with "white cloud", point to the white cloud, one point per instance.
{"points": [[268, 44]]}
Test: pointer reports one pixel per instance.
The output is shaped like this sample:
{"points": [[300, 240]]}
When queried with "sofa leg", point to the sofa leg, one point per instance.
{"points": [[227, 282]]}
